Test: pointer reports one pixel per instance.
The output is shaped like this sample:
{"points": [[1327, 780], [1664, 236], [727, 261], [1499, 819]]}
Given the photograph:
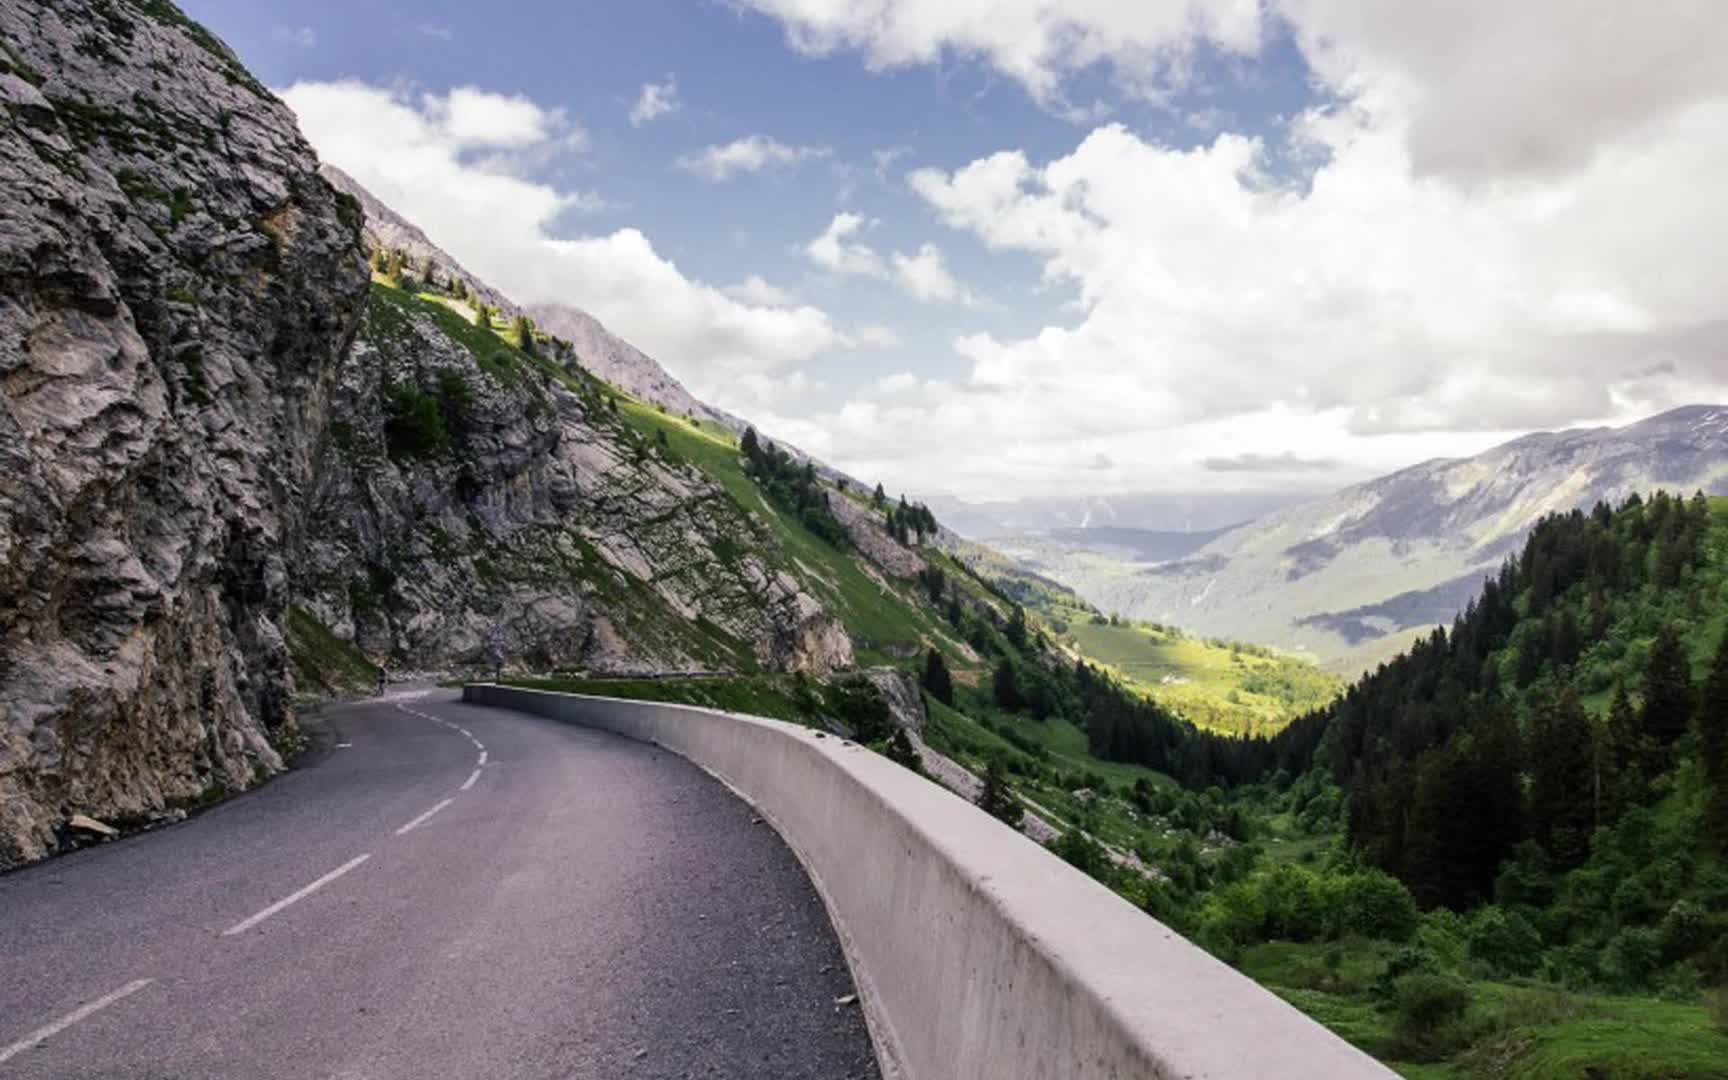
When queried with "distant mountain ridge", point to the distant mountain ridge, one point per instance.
{"points": [[1350, 577]]}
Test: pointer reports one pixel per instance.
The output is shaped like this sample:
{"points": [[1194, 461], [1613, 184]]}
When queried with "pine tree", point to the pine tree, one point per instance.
{"points": [[482, 317], [996, 800], [879, 498], [522, 328], [1006, 686], [1668, 695], [1620, 758], [1711, 722], [749, 446], [937, 679], [1562, 771]]}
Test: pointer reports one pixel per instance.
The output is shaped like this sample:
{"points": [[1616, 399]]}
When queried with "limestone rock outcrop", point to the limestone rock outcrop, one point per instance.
{"points": [[178, 287]]}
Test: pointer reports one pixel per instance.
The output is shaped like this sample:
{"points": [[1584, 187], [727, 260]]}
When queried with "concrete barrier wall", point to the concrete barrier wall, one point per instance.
{"points": [[979, 955]]}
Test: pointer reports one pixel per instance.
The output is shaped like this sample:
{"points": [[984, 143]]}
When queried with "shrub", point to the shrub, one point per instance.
{"points": [[1719, 1009], [1406, 961], [1632, 957], [1291, 898], [1685, 930], [1503, 942], [413, 424], [1236, 914], [1371, 903], [1428, 1011]]}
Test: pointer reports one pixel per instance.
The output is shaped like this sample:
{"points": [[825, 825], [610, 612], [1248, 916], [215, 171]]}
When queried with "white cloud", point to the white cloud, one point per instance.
{"points": [[469, 116], [753, 153], [417, 155], [923, 275], [1489, 87], [437, 30], [655, 100], [756, 290], [1036, 42], [1375, 317], [835, 250], [301, 37]]}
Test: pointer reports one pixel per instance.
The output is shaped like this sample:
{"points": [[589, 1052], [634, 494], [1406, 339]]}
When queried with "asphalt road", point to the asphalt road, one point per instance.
{"points": [[447, 891]]}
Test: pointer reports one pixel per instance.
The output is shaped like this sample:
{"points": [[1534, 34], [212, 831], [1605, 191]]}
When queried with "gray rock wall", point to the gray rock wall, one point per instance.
{"points": [[539, 525], [177, 289]]}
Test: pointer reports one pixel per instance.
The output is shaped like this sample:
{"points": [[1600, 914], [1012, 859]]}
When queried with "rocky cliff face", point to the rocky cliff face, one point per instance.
{"points": [[478, 502], [179, 287]]}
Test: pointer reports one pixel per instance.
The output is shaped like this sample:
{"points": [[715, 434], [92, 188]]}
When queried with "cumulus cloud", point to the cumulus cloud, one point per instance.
{"points": [[923, 275], [655, 100], [1491, 88], [428, 157], [757, 290], [1036, 42], [1373, 316], [750, 154]]}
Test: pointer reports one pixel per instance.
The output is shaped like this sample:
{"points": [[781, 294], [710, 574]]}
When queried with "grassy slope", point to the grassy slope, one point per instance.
{"points": [[1523, 1031], [324, 663], [1210, 685]]}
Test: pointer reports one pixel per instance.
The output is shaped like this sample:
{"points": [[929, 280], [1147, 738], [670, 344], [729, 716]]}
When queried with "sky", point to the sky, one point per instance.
{"points": [[994, 248]]}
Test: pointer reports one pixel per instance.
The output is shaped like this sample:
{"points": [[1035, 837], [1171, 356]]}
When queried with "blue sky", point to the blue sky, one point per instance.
{"points": [[1158, 245]]}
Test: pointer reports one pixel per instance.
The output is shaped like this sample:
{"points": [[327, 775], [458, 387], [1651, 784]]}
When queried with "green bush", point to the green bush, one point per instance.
{"points": [[1294, 908], [1503, 942], [413, 423], [1632, 958], [1686, 930], [1370, 903], [1428, 1015]]}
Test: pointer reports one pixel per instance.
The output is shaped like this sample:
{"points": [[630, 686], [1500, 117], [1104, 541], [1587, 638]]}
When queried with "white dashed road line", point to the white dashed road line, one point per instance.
{"points": [[48, 1031], [246, 924], [423, 818]]}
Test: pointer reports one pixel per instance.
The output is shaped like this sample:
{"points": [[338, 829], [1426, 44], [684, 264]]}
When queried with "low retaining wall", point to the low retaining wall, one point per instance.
{"points": [[979, 955]]}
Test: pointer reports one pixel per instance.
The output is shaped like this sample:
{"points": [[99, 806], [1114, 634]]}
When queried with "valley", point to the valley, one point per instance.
{"points": [[1440, 759]]}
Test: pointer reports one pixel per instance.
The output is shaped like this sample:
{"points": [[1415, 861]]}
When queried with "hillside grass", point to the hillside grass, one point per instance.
{"points": [[887, 624], [324, 663], [1211, 685], [1512, 1031]]}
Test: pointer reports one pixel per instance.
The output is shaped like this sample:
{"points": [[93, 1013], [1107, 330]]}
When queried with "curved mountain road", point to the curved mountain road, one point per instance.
{"points": [[447, 891]]}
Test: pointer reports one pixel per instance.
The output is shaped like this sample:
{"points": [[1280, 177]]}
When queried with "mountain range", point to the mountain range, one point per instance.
{"points": [[1351, 577]]}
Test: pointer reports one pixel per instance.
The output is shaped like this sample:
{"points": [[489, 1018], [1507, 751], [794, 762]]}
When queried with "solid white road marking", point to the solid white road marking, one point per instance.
{"points": [[246, 924], [468, 783], [482, 757], [48, 1031], [421, 820]]}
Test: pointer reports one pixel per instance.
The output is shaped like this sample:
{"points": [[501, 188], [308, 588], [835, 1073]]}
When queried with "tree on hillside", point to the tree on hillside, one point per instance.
{"points": [[379, 261], [1668, 697], [1562, 774], [1712, 726], [877, 500], [748, 445], [482, 316], [937, 680], [1466, 814], [522, 328], [996, 800], [1006, 686], [1620, 757]]}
